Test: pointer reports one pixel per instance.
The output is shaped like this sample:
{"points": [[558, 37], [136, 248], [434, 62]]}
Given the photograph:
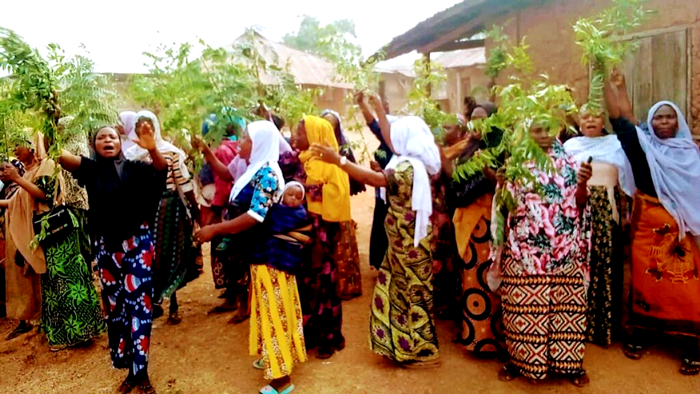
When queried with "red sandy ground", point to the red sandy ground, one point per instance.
{"points": [[204, 354]]}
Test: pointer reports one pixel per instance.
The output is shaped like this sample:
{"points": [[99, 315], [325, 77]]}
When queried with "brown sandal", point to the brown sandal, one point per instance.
{"points": [[581, 380], [508, 373]]}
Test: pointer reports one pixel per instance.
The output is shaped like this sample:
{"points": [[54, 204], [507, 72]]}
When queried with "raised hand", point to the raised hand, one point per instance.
{"points": [[617, 78], [501, 177], [376, 103], [197, 143], [360, 97], [146, 138]]}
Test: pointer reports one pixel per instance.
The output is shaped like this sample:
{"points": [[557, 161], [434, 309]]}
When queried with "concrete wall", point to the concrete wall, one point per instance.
{"points": [[548, 28]]}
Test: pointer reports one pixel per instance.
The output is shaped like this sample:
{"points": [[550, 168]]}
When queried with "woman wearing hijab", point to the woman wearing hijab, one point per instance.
{"points": [[125, 245], [612, 173], [401, 325], [665, 227], [276, 330], [230, 268], [76, 197], [70, 312], [173, 227], [127, 129], [378, 241], [21, 285], [347, 253], [470, 202], [328, 204]]}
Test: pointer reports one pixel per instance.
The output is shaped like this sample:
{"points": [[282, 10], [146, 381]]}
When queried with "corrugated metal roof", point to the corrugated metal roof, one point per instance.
{"points": [[462, 58], [307, 69]]}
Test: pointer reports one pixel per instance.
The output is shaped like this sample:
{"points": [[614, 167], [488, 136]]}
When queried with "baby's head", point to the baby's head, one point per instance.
{"points": [[293, 195]]}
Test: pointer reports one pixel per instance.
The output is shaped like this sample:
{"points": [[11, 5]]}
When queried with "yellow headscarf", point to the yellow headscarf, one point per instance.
{"points": [[335, 204]]}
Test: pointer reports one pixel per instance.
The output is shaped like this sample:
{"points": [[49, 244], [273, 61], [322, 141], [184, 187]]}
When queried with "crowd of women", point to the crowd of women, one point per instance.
{"points": [[284, 249]]}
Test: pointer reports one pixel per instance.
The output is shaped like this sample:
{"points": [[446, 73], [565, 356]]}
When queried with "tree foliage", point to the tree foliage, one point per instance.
{"points": [[331, 41], [527, 101], [420, 100], [599, 35]]}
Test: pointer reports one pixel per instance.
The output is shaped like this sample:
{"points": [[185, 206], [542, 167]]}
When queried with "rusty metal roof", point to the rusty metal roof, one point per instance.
{"points": [[306, 68], [462, 58], [459, 21]]}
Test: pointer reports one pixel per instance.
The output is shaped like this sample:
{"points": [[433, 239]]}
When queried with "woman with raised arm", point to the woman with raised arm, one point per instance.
{"points": [[612, 179], [173, 222], [378, 241], [276, 329], [70, 311], [229, 268], [665, 293], [470, 200], [401, 324], [125, 245]]}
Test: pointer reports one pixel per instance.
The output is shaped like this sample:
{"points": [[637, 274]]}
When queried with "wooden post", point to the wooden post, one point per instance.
{"points": [[429, 88]]}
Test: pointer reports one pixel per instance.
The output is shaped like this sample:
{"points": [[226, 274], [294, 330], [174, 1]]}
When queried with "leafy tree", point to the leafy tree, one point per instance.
{"points": [[331, 41]]}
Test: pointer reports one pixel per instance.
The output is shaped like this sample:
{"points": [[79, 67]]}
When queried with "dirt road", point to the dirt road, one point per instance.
{"points": [[204, 354]]}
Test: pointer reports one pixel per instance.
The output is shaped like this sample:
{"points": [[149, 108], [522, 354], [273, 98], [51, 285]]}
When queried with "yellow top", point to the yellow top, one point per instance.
{"points": [[335, 202]]}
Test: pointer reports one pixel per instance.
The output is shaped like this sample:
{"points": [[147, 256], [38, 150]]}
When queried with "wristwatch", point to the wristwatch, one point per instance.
{"points": [[343, 161]]}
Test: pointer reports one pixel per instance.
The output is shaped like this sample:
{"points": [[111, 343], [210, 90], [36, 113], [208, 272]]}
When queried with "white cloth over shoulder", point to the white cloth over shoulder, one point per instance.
{"points": [[675, 170], [606, 149], [413, 142], [266, 151]]}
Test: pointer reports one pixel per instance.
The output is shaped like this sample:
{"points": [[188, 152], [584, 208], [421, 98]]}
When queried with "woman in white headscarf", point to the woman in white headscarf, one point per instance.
{"points": [[127, 129], [665, 226], [173, 227], [276, 331], [229, 275], [401, 326], [612, 172]]}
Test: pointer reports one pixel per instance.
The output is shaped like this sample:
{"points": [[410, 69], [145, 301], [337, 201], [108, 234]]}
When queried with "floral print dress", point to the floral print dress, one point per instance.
{"points": [[545, 275], [401, 325]]}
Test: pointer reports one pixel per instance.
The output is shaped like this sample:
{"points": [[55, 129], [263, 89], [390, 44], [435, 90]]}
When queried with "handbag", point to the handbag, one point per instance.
{"points": [[54, 223]]}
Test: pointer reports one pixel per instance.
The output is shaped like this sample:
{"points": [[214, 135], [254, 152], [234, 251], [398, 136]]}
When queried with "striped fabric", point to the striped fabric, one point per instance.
{"points": [[175, 176]]}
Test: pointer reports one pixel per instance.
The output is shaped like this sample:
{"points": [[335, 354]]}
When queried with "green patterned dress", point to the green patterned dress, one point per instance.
{"points": [[401, 326], [70, 310]]}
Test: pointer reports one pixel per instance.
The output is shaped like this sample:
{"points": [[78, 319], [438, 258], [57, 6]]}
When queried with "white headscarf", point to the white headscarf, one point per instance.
{"points": [[287, 186], [238, 165], [413, 142], [137, 153], [266, 152], [128, 119], [606, 149], [675, 170]]}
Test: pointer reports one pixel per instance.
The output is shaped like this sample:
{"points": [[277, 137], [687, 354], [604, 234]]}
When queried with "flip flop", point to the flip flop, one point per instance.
{"points": [[690, 368], [271, 390], [633, 352], [259, 364]]}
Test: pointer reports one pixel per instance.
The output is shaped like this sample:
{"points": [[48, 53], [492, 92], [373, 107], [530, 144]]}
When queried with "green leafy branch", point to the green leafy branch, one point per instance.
{"points": [[599, 35]]}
